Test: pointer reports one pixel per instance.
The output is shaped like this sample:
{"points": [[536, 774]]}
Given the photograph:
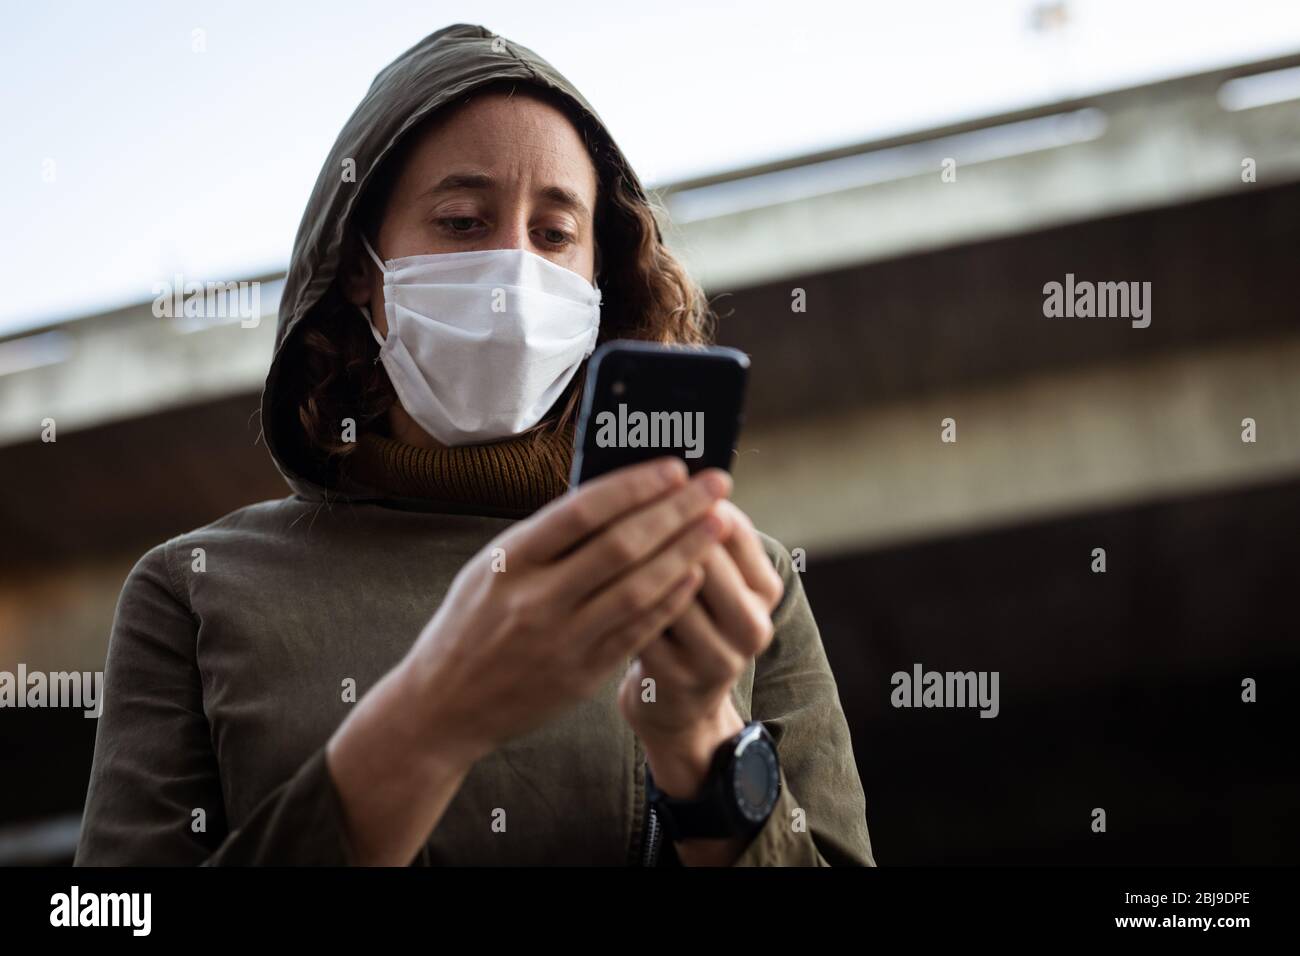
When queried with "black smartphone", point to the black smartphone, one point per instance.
{"points": [[643, 400]]}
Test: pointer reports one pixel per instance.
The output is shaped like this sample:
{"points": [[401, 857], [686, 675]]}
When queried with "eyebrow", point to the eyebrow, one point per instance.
{"points": [[558, 195]]}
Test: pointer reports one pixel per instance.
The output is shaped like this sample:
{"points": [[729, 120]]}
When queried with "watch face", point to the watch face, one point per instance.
{"points": [[756, 780]]}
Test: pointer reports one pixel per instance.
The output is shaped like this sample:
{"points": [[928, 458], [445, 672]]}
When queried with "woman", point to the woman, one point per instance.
{"points": [[277, 691]]}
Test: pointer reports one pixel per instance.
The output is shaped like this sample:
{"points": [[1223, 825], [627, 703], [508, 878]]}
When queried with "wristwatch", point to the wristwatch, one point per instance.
{"points": [[737, 796]]}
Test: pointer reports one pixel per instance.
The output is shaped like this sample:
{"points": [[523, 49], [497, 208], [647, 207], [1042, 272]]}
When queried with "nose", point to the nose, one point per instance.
{"points": [[512, 227]]}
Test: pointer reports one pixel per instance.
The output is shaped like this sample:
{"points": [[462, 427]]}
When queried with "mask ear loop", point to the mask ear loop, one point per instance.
{"points": [[373, 255], [365, 309]]}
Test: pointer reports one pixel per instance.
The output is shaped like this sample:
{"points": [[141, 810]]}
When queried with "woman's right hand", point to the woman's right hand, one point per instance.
{"points": [[539, 618]]}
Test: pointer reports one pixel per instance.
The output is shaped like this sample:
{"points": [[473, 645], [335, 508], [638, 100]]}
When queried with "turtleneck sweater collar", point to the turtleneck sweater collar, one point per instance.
{"points": [[516, 474]]}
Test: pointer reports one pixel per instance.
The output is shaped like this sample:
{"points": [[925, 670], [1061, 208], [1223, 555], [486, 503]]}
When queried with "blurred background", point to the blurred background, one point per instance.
{"points": [[793, 148]]}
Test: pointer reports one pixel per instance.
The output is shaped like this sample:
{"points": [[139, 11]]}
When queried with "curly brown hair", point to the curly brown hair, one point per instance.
{"points": [[646, 294]]}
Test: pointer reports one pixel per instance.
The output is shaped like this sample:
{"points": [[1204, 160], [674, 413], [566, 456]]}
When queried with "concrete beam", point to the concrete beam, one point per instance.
{"points": [[1053, 444], [129, 364], [1150, 146]]}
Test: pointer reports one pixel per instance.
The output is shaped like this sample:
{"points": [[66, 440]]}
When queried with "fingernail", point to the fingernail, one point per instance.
{"points": [[673, 469], [717, 483]]}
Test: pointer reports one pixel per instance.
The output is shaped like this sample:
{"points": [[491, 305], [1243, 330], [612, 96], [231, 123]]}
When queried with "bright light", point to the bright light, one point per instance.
{"points": [[34, 351], [885, 165], [1260, 89]]}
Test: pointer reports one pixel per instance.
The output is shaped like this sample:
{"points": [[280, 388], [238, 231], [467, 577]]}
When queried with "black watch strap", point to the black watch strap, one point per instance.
{"points": [[681, 818], [708, 814]]}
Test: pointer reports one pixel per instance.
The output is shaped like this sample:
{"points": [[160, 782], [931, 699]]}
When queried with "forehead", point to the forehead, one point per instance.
{"points": [[507, 136]]}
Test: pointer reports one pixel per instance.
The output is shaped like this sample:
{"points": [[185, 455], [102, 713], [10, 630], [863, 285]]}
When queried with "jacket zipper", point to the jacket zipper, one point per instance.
{"points": [[654, 833]]}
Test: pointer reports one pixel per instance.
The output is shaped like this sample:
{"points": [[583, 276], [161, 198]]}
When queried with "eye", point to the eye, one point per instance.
{"points": [[459, 224], [556, 237]]}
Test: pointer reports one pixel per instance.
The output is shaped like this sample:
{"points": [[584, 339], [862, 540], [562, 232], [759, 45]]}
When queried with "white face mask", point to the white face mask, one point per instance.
{"points": [[481, 344]]}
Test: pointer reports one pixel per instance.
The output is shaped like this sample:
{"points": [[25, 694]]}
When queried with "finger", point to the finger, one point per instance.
{"points": [[751, 559], [637, 536], [579, 513], [632, 637], [695, 643], [736, 610], [633, 594], [661, 658]]}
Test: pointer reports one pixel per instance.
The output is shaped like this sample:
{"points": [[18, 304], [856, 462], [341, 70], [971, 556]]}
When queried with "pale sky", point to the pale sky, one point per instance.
{"points": [[165, 160]]}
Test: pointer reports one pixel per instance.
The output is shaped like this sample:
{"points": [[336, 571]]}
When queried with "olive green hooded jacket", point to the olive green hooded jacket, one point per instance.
{"points": [[233, 646]]}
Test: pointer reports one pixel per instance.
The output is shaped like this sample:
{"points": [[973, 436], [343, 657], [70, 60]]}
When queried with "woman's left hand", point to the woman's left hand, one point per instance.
{"points": [[695, 664]]}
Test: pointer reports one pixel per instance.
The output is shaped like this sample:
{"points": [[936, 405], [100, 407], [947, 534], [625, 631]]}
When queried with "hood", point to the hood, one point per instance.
{"points": [[440, 69]]}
